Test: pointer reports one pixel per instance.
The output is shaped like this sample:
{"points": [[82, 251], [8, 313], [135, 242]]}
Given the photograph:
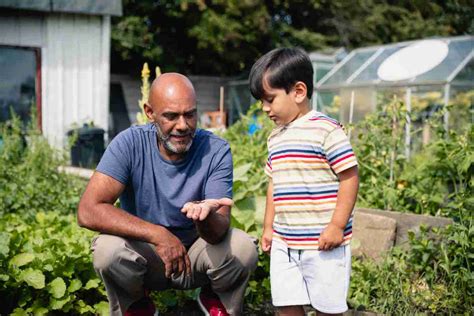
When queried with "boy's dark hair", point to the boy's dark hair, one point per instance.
{"points": [[284, 67]]}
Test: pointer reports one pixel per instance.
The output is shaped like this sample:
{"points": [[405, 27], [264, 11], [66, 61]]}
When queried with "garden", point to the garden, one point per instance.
{"points": [[45, 261]]}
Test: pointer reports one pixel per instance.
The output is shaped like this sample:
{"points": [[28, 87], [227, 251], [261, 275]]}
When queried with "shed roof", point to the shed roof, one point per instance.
{"points": [[91, 7]]}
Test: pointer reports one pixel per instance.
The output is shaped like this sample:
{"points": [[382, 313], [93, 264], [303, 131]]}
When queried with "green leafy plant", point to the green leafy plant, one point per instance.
{"points": [[46, 266], [29, 178]]}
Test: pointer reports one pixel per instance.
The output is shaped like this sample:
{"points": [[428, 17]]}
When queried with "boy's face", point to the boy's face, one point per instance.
{"points": [[281, 107]]}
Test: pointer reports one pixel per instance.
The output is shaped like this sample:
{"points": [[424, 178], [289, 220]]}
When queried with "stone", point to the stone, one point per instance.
{"points": [[372, 234], [407, 222]]}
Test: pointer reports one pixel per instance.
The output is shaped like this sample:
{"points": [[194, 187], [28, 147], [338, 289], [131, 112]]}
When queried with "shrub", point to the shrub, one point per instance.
{"points": [[45, 266], [29, 179]]}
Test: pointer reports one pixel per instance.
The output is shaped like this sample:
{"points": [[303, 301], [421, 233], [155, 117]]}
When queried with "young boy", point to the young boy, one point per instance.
{"points": [[311, 193]]}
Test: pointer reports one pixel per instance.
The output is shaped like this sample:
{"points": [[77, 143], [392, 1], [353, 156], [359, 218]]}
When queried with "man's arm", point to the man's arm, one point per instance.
{"points": [[211, 216], [333, 235], [97, 212]]}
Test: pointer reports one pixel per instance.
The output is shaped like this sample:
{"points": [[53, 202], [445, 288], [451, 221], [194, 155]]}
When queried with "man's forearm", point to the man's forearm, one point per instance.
{"points": [[214, 228], [108, 219]]}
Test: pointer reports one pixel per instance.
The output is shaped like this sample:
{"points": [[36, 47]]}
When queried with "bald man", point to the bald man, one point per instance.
{"points": [[172, 229]]}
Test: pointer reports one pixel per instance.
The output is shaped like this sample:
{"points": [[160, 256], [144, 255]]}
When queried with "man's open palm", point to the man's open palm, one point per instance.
{"points": [[199, 210]]}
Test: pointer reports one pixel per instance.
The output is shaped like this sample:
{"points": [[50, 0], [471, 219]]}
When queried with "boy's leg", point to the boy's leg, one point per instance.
{"points": [[288, 287], [290, 311], [226, 267], [327, 276]]}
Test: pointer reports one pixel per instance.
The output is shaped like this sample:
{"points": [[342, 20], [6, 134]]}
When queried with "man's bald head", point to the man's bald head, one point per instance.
{"points": [[172, 109], [171, 88]]}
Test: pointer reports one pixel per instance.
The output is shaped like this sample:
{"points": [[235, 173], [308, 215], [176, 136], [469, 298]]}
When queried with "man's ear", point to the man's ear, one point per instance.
{"points": [[300, 91], [148, 111]]}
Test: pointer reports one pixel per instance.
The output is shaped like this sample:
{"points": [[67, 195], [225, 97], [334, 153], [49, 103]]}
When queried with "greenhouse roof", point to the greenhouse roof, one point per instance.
{"points": [[361, 68]]}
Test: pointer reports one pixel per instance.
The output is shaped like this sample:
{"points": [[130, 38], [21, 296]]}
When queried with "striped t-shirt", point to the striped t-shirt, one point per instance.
{"points": [[304, 158]]}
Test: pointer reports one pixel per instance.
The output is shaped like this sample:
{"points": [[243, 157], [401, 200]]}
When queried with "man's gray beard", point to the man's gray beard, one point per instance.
{"points": [[165, 140]]}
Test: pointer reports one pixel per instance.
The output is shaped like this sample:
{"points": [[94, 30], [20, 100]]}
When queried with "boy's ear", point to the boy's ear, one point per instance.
{"points": [[300, 91]]}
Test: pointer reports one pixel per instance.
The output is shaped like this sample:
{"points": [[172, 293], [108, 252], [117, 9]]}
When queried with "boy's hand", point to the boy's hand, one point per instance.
{"points": [[267, 240], [331, 237]]}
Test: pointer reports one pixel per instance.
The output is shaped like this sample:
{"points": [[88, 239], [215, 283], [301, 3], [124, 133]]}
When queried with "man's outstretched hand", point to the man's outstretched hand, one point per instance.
{"points": [[199, 210]]}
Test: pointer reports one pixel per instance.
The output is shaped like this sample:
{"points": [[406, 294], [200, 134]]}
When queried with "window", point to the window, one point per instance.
{"points": [[19, 82]]}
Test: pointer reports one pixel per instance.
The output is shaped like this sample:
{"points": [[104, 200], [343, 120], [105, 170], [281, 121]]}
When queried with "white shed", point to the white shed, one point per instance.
{"points": [[55, 54]]}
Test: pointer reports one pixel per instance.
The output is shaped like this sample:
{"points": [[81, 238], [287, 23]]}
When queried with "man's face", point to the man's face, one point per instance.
{"points": [[176, 124]]}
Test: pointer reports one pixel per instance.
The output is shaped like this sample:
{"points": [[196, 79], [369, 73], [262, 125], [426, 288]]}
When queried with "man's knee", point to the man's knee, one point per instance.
{"points": [[106, 251], [244, 249]]}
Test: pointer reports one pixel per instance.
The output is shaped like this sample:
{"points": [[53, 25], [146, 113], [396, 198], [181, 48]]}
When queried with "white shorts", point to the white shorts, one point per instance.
{"points": [[303, 277]]}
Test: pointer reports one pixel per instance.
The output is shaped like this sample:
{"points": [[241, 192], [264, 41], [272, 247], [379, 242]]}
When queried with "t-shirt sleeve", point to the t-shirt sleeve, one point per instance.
{"points": [[268, 166], [115, 161], [219, 182], [339, 151]]}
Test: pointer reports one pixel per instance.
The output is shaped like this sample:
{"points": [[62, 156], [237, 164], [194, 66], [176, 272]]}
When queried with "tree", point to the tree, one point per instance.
{"points": [[224, 37]]}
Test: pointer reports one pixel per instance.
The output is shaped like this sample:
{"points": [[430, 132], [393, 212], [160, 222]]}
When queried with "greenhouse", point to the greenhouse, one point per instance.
{"points": [[427, 75]]}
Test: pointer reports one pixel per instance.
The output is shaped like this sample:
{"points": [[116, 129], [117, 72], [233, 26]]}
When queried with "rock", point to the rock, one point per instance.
{"points": [[407, 222], [372, 234]]}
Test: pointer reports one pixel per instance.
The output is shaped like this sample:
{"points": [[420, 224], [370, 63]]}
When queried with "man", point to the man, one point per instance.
{"points": [[172, 228]]}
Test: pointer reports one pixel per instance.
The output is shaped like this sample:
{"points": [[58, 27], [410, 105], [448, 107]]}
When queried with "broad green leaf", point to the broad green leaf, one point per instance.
{"points": [[240, 172], [39, 311], [4, 244], [4, 277], [58, 303], [75, 285], [91, 284], [19, 312], [102, 308], [34, 278], [57, 288], [40, 217], [247, 204], [22, 259]]}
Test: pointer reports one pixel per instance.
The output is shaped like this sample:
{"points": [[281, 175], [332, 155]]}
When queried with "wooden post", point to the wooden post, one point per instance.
{"points": [[221, 106]]}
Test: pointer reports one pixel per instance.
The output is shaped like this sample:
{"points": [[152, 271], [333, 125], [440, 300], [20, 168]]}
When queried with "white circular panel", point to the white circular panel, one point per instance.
{"points": [[413, 60]]}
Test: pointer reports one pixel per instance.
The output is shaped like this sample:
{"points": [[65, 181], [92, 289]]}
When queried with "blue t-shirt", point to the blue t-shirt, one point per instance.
{"points": [[155, 188]]}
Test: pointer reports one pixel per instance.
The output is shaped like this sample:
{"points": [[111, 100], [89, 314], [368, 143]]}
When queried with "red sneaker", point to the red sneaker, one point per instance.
{"points": [[143, 307], [211, 306]]}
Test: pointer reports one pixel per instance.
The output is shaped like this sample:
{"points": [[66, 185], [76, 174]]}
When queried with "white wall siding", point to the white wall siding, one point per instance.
{"points": [[74, 67], [80, 70]]}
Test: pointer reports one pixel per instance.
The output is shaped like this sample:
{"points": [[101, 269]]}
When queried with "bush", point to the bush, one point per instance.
{"points": [[46, 266], [29, 179], [434, 276]]}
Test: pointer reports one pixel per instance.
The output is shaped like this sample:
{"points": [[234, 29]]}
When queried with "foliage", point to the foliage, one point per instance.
{"points": [[29, 178], [435, 275], [45, 265], [249, 151], [225, 37], [437, 180]]}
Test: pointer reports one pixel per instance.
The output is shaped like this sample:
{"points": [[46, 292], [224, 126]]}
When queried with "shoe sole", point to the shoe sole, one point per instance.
{"points": [[201, 306]]}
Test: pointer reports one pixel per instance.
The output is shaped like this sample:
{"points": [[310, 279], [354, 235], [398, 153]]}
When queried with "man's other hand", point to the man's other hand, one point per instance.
{"points": [[199, 210], [174, 255]]}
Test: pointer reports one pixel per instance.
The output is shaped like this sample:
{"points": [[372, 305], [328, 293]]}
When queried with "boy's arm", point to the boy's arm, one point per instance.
{"points": [[333, 235], [268, 219]]}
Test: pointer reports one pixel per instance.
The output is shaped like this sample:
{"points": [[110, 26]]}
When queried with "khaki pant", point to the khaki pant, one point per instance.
{"points": [[128, 266]]}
